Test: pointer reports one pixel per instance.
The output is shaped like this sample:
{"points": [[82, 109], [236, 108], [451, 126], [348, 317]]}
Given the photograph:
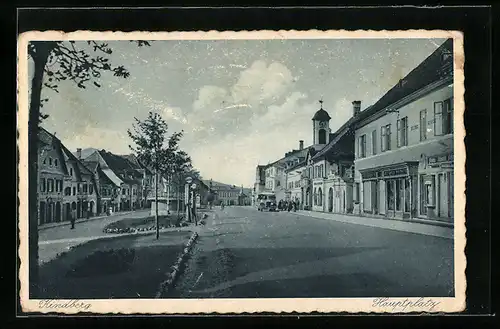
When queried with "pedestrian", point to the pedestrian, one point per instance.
{"points": [[289, 205]]}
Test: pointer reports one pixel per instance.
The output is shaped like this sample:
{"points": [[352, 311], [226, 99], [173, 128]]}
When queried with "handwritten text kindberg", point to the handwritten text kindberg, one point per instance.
{"points": [[55, 304]]}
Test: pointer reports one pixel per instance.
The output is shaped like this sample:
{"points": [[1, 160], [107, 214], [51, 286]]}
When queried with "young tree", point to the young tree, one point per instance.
{"points": [[153, 150], [57, 61]]}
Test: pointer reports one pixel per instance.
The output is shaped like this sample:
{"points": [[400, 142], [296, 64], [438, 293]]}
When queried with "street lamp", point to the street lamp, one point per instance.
{"points": [[193, 200], [187, 193]]}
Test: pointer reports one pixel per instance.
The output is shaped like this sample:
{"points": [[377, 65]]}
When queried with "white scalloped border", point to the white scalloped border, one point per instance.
{"points": [[238, 306]]}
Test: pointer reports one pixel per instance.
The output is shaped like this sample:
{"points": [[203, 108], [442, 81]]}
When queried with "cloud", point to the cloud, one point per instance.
{"points": [[261, 83], [102, 138]]}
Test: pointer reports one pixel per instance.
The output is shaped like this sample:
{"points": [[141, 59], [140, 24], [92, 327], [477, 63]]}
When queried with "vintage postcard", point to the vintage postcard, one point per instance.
{"points": [[241, 172]]}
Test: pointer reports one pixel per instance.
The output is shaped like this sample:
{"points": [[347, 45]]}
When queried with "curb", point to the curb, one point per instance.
{"points": [[166, 285]]}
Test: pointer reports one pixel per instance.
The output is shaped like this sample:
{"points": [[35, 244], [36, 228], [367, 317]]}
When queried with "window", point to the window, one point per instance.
{"points": [[362, 146], [50, 161], [74, 190], [45, 161], [423, 125], [91, 189], [448, 116], [67, 191], [50, 185], [79, 187], [374, 142], [402, 126], [123, 192], [438, 118], [356, 193], [71, 171], [43, 187], [315, 197], [322, 136], [84, 188], [385, 138], [55, 162], [320, 197]]}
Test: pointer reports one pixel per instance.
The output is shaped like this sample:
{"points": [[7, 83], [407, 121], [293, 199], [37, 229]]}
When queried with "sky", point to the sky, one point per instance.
{"points": [[240, 103]]}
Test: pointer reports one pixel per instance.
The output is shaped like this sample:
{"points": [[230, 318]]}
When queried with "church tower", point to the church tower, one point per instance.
{"points": [[321, 126]]}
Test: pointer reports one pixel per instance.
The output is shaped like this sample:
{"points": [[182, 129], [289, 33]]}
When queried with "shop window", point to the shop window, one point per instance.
{"points": [[407, 195], [320, 197], [315, 197], [402, 127], [390, 194], [423, 125], [429, 188], [356, 192]]}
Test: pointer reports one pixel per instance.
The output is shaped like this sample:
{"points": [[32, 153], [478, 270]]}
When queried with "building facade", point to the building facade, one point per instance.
{"points": [[80, 190], [52, 177], [404, 146]]}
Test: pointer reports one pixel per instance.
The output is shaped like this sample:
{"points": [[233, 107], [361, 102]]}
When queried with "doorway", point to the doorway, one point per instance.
{"points": [[330, 199]]}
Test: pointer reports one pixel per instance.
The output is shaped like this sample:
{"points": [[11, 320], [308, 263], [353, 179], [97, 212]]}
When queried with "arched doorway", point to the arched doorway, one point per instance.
{"points": [[79, 209], [43, 210], [92, 210], [50, 212], [58, 212], [330, 199], [320, 197], [67, 212], [73, 209]]}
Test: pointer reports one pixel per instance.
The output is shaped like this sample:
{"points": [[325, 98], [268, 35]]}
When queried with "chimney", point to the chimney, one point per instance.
{"points": [[301, 145], [79, 153], [356, 108]]}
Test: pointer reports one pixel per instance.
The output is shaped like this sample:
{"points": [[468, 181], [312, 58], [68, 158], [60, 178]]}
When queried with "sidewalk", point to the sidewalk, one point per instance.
{"points": [[82, 220], [389, 224]]}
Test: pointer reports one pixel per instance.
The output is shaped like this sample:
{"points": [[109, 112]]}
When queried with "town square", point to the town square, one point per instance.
{"points": [[292, 168]]}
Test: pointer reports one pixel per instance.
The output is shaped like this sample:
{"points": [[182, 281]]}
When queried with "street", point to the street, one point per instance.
{"points": [[243, 253]]}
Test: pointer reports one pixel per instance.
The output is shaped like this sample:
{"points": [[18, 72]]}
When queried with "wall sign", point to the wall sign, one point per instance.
{"points": [[395, 172]]}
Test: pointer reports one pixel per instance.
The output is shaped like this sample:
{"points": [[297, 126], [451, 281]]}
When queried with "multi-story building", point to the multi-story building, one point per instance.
{"points": [[226, 194], [52, 175], [80, 189], [125, 177], [404, 145], [328, 172]]}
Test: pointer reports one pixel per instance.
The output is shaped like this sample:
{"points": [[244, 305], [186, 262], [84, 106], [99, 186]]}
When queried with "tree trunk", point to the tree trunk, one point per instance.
{"points": [[39, 59], [157, 221]]}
